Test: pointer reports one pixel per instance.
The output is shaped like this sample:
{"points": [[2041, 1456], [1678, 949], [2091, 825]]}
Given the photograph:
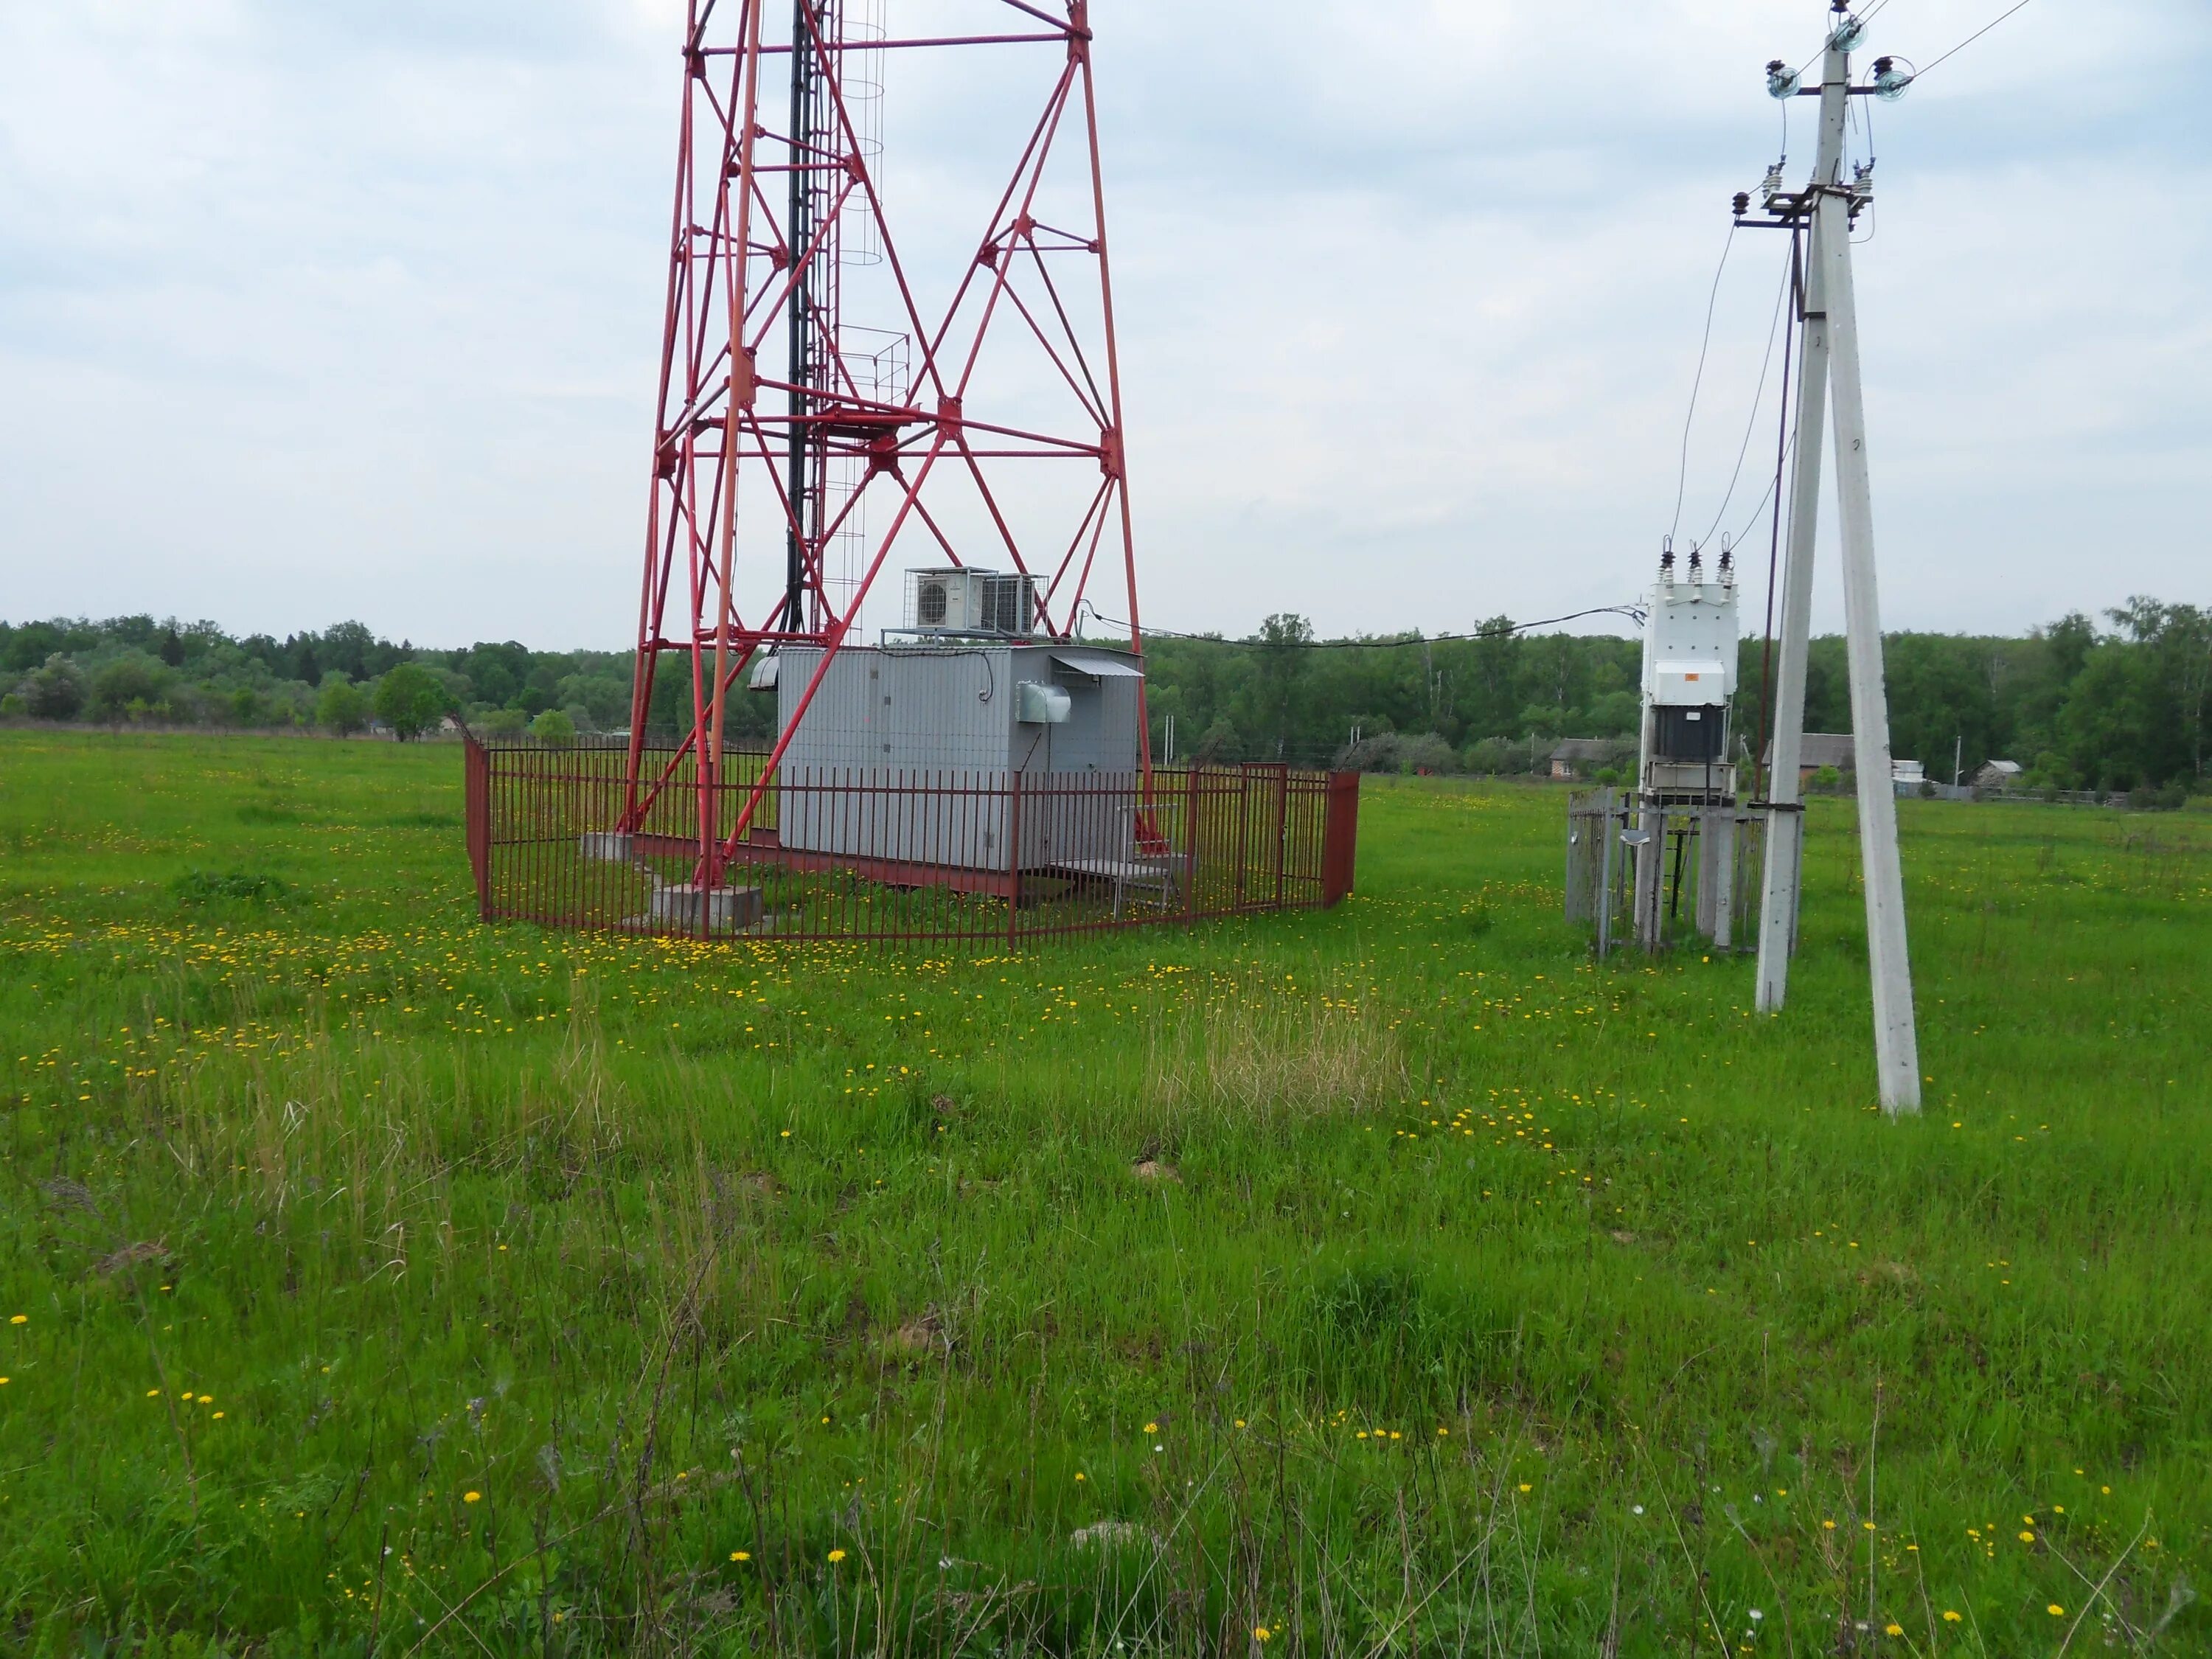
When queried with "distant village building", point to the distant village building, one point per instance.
{"points": [[1577, 757], [1909, 772], [1998, 774], [1817, 749]]}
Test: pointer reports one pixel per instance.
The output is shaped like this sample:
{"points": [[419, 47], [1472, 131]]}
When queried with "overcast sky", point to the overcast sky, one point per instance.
{"points": [[351, 308]]}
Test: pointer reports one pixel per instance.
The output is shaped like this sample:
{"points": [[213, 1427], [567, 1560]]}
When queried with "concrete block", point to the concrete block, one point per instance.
{"points": [[679, 907]]}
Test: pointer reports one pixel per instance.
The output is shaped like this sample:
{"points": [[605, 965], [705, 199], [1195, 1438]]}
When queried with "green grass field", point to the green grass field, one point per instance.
{"points": [[1390, 1279]]}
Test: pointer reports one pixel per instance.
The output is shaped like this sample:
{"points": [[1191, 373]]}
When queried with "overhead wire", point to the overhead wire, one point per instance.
{"points": [[1633, 612], [1751, 421], [1975, 36], [1682, 478]]}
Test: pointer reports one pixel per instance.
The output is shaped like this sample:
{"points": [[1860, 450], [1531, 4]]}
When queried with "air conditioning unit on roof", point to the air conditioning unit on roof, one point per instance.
{"points": [[966, 601]]}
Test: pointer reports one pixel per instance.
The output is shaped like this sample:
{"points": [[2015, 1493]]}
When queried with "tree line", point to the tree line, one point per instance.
{"points": [[345, 680], [2115, 703], [2078, 704]]}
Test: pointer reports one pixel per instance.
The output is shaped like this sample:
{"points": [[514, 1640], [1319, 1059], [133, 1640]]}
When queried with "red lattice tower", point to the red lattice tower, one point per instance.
{"points": [[963, 407]]}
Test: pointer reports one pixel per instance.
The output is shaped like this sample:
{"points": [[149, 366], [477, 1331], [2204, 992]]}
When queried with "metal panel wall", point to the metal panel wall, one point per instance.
{"points": [[904, 725]]}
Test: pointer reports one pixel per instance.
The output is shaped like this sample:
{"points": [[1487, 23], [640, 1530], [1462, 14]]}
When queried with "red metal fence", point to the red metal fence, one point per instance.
{"points": [[885, 853]]}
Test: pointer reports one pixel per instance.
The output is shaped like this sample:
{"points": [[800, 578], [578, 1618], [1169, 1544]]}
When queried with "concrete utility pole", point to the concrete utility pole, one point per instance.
{"points": [[1830, 320]]}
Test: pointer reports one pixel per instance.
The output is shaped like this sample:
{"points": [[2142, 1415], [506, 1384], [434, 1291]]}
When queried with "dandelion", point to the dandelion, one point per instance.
{"points": [[741, 1555], [2056, 1611], [1151, 1428], [1829, 1526], [471, 1497], [1893, 1630], [1525, 1487], [1949, 1616], [835, 1556], [1261, 1633], [1757, 1613], [2027, 1538], [19, 1319], [1078, 1474]]}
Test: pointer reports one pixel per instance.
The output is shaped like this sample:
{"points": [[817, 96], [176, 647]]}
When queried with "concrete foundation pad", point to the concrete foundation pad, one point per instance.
{"points": [[607, 845], [684, 907]]}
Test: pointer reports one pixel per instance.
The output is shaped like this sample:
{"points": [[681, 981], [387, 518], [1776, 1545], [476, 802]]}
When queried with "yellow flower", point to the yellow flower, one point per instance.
{"points": [[1260, 1632], [1151, 1428], [153, 1394], [1830, 1525], [1893, 1630], [836, 1555], [2056, 1611], [1949, 1616], [741, 1555], [2027, 1538], [19, 1319], [1078, 1474], [1525, 1487], [470, 1496]]}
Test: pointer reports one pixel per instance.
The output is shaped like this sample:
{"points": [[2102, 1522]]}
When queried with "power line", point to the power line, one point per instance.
{"points": [[1682, 478], [1751, 421], [1634, 613], [1766, 496], [1975, 36]]}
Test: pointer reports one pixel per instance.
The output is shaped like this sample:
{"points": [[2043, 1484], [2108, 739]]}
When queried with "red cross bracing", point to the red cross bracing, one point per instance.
{"points": [[837, 402]]}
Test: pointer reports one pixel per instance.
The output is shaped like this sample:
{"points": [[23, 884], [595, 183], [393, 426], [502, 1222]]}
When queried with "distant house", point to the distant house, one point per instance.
{"points": [[1817, 749], [1908, 772], [1577, 757], [1998, 774]]}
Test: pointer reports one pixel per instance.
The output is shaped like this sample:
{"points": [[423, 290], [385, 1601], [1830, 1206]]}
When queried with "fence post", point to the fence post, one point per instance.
{"points": [[477, 813], [1190, 838], [1340, 836], [1014, 861]]}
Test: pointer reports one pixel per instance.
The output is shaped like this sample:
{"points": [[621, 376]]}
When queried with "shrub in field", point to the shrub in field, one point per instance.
{"points": [[56, 691], [341, 707], [554, 729], [127, 688], [410, 700]]}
